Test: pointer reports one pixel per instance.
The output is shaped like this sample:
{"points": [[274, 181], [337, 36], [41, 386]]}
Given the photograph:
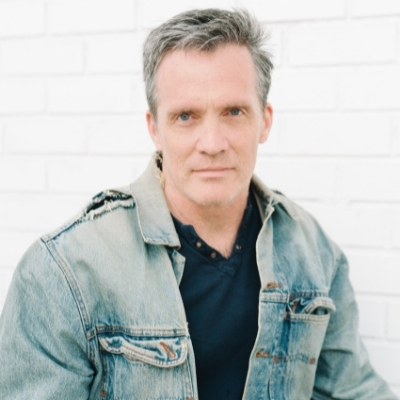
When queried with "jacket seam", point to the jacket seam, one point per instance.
{"points": [[73, 287]]}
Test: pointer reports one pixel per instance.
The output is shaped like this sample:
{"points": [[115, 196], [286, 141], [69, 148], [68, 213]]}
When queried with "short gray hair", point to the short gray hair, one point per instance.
{"points": [[205, 30]]}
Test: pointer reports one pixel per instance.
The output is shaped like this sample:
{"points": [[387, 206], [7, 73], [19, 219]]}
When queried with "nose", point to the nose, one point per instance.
{"points": [[212, 137]]}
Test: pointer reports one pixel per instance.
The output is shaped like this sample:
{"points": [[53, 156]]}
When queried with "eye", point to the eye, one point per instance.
{"points": [[234, 111], [184, 117]]}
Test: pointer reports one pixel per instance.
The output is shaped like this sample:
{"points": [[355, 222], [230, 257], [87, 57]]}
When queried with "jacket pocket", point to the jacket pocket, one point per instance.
{"points": [[160, 352], [303, 331], [310, 309], [145, 367]]}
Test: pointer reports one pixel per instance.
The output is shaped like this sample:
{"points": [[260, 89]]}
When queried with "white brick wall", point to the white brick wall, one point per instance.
{"points": [[41, 56], [22, 96], [22, 18], [72, 16], [72, 123]]}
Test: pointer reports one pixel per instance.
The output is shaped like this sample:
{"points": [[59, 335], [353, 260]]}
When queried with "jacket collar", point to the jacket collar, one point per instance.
{"points": [[270, 198], [155, 220], [154, 217]]}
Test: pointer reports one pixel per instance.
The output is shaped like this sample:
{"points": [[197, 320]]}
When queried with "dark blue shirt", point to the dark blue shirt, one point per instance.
{"points": [[221, 302]]}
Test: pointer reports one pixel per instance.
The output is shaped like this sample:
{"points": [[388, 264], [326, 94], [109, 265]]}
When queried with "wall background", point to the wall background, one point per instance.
{"points": [[72, 123]]}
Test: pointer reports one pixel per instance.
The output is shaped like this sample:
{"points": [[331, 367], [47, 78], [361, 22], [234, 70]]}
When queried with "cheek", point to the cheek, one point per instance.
{"points": [[174, 160]]}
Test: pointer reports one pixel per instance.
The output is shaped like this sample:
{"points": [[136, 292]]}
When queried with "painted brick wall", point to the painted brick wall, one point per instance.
{"points": [[72, 123]]}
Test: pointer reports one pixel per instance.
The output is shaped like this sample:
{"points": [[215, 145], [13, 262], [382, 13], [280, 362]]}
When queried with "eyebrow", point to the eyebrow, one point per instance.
{"points": [[197, 110], [181, 110]]}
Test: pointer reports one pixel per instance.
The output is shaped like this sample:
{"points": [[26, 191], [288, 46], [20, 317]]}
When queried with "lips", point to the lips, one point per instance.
{"points": [[214, 172]]}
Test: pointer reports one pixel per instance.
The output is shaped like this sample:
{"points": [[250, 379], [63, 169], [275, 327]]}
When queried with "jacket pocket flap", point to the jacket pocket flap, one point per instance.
{"points": [[319, 302], [158, 351]]}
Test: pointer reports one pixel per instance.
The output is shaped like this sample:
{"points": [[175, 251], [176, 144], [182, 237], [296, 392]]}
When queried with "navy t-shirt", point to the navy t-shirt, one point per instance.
{"points": [[221, 301]]}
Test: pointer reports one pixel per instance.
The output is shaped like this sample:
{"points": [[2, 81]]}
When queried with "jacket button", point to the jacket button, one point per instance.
{"points": [[103, 393], [312, 360]]}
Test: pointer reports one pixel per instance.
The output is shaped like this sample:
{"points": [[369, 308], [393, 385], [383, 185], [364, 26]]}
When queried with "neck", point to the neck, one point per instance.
{"points": [[217, 224]]}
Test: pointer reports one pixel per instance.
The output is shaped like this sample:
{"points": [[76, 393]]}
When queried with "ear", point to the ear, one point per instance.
{"points": [[152, 128], [267, 123]]}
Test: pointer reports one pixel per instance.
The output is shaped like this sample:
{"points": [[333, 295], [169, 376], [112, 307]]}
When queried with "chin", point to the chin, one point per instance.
{"points": [[214, 199]]}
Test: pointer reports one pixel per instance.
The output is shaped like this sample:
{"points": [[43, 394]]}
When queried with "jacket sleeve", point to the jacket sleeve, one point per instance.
{"points": [[43, 348], [344, 370]]}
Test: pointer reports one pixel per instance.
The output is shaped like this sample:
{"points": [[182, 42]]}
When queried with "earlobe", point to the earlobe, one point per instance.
{"points": [[267, 122], [152, 128]]}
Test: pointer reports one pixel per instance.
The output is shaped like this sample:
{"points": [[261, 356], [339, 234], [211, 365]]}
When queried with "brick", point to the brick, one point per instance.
{"points": [[18, 96], [374, 272], [372, 8], [370, 88], [396, 138], [372, 316], [120, 135], [37, 214], [2, 138], [270, 147], [92, 175], [292, 10], [298, 178], [395, 390], [116, 53], [337, 134], [21, 174], [396, 228], [369, 180], [385, 358], [275, 43], [91, 95], [91, 16], [344, 42], [303, 90], [153, 13], [45, 135], [13, 245], [42, 56], [18, 18], [393, 324], [358, 225], [5, 280], [140, 105]]}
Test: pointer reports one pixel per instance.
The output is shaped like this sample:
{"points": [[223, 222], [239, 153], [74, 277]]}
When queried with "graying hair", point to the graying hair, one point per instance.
{"points": [[205, 30]]}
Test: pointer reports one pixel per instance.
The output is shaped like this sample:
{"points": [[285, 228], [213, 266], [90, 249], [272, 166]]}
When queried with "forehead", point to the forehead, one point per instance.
{"points": [[227, 71]]}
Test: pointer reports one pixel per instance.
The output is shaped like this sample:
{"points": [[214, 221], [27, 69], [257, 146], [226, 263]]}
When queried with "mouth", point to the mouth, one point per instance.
{"points": [[214, 172]]}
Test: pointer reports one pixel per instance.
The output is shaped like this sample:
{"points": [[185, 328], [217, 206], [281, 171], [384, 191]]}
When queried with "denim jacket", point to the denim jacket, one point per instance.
{"points": [[94, 309]]}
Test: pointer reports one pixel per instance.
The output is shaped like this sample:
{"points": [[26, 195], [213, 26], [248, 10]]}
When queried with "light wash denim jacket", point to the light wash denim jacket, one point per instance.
{"points": [[94, 309]]}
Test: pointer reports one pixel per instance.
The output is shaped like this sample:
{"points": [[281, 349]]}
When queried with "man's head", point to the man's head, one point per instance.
{"points": [[210, 99], [206, 30]]}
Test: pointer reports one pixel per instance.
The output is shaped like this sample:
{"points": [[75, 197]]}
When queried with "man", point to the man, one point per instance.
{"points": [[196, 281]]}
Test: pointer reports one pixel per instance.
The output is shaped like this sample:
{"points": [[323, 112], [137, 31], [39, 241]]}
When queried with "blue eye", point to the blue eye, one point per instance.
{"points": [[184, 117], [234, 111]]}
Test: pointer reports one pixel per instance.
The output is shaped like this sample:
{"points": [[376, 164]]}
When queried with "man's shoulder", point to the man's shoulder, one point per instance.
{"points": [[98, 211], [290, 217], [276, 199]]}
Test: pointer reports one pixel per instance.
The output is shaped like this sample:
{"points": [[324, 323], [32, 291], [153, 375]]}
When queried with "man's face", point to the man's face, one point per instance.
{"points": [[209, 124]]}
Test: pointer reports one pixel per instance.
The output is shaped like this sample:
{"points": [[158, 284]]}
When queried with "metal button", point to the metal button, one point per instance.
{"points": [[213, 254], [238, 247], [198, 244]]}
